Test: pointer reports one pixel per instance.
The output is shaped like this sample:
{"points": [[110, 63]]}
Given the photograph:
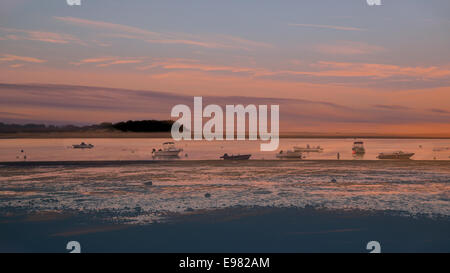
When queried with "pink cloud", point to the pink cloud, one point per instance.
{"points": [[12, 58], [348, 48], [107, 61], [119, 62], [375, 70], [189, 65]]}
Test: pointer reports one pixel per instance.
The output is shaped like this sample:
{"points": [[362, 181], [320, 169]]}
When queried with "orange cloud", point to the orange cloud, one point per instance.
{"points": [[94, 60], [362, 70], [97, 104], [319, 69]]}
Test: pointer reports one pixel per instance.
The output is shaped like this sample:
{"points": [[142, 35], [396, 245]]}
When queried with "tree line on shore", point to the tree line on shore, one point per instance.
{"points": [[124, 126]]}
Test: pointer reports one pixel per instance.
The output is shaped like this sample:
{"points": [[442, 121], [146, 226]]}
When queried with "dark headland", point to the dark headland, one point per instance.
{"points": [[160, 129]]}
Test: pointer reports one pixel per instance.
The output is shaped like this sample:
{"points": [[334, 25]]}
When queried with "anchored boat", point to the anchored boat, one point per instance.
{"points": [[289, 155], [395, 155], [236, 157], [169, 150], [358, 148], [83, 145], [308, 149]]}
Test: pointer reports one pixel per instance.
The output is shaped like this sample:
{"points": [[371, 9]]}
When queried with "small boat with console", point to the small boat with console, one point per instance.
{"points": [[236, 157], [83, 145], [308, 149], [289, 154], [395, 155], [358, 148], [169, 150]]}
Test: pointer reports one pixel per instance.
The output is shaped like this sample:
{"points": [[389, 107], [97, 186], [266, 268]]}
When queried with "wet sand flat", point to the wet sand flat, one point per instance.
{"points": [[243, 229], [221, 206]]}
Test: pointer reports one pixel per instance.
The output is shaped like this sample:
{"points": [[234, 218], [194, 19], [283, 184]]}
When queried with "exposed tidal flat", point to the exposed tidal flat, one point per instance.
{"points": [[212, 205]]}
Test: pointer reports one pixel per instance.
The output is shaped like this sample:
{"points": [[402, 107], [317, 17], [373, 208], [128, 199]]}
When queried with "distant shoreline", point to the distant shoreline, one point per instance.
{"points": [[103, 134], [218, 162]]}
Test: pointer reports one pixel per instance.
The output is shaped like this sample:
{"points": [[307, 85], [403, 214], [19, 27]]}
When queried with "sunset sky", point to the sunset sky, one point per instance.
{"points": [[333, 66]]}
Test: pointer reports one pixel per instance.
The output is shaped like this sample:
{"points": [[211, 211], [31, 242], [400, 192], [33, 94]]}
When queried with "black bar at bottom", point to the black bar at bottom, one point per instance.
{"points": [[224, 262]]}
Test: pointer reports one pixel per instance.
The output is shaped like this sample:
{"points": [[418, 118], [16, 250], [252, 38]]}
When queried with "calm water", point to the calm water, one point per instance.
{"points": [[140, 149]]}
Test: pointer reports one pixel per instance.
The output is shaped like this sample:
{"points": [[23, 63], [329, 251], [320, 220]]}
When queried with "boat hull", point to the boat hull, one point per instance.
{"points": [[358, 151], [166, 153], [236, 157], [289, 155], [83, 146], [395, 156], [308, 150]]}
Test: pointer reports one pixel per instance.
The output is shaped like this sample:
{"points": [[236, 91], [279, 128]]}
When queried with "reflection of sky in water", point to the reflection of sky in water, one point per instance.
{"points": [[140, 149], [119, 193]]}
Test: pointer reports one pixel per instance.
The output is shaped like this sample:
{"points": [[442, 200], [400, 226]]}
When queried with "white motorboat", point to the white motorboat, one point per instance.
{"points": [[358, 148], [289, 154], [83, 145], [168, 150], [308, 149], [395, 155]]}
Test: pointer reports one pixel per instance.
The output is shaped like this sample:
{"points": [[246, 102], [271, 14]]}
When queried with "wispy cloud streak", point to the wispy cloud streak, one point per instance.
{"points": [[333, 27], [131, 32], [37, 35], [13, 58]]}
